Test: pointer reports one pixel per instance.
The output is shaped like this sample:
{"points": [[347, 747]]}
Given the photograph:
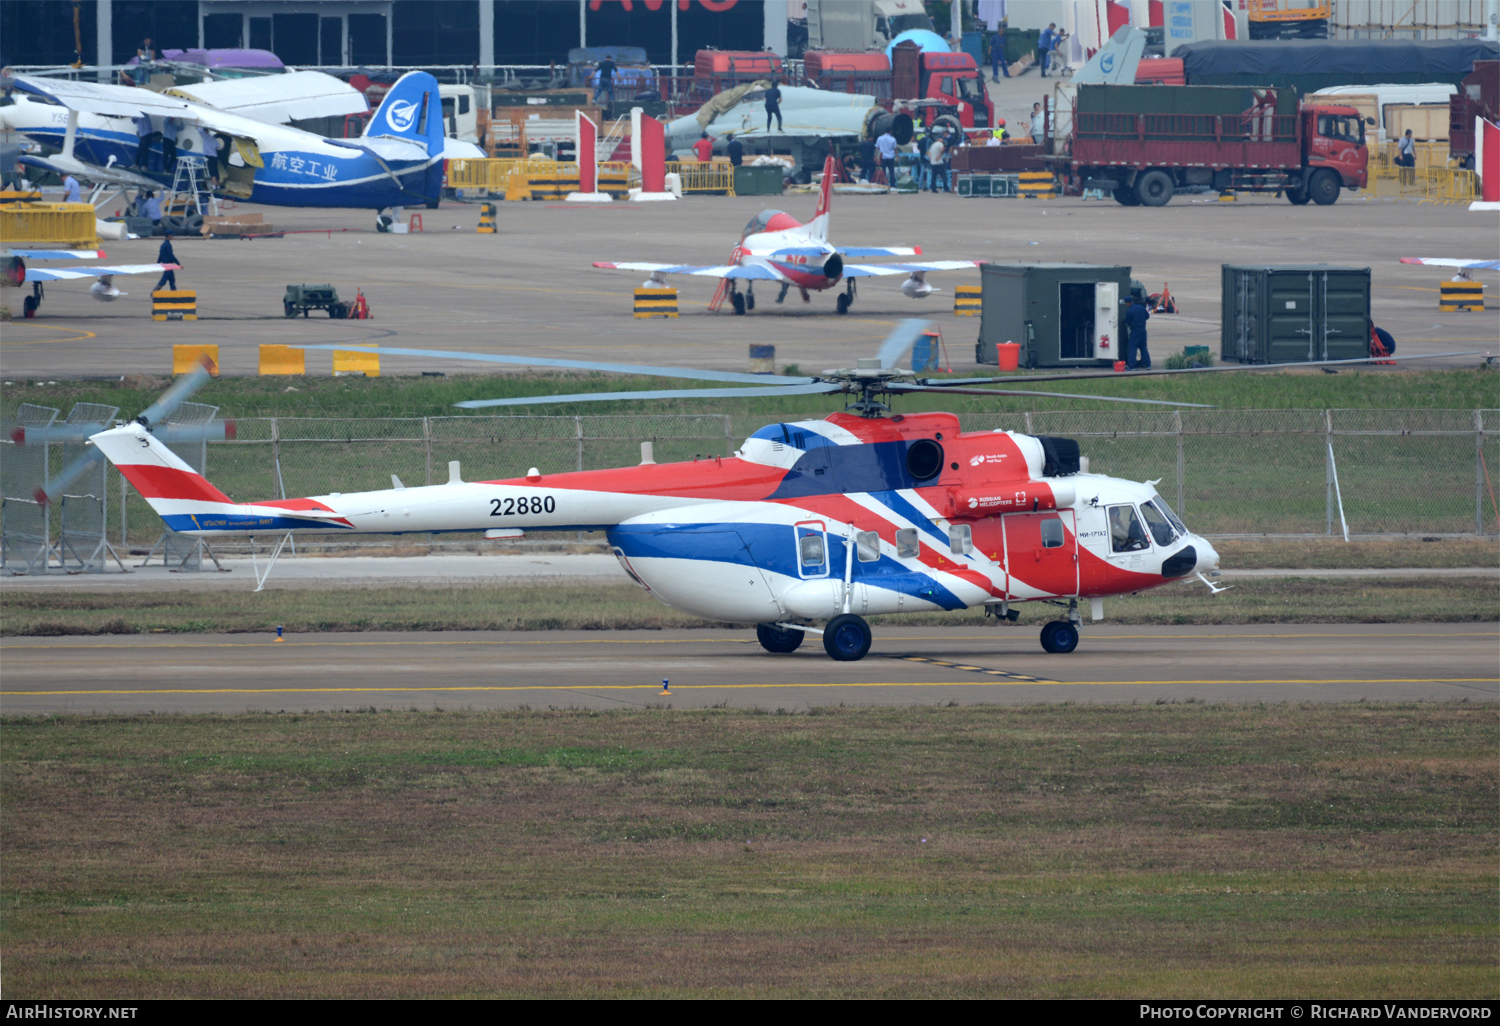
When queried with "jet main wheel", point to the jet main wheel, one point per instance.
{"points": [[738, 300], [749, 300], [29, 305], [778, 639], [843, 303], [847, 638], [1060, 637]]}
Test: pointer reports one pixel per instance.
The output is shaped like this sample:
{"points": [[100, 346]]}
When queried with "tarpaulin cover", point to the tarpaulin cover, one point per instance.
{"points": [[1422, 60]]}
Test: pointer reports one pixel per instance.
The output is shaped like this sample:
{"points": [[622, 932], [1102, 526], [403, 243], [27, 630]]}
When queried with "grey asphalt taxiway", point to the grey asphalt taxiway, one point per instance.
{"points": [[710, 667]]}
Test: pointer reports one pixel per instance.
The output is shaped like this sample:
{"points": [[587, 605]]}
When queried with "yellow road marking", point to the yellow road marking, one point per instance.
{"points": [[730, 687], [55, 327]]}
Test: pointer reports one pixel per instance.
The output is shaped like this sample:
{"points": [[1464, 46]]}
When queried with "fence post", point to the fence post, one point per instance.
{"points": [[124, 523], [1181, 490], [1479, 472], [1328, 472], [578, 432], [276, 457], [1028, 425], [427, 447], [728, 437]]}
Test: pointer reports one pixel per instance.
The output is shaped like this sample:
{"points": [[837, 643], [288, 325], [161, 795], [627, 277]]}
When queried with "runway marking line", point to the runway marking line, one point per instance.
{"points": [[730, 641], [968, 668], [80, 337], [684, 688]]}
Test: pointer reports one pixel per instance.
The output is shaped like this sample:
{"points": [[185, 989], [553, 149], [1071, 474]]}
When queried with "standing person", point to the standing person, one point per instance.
{"points": [[166, 256], [1038, 123], [1059, 54], [146, 53], [144, 134], [703, 149], [169, 129], [867, 158], [736, 151], [935, 157], [1407, 161], [998, 63], [70, 190], [773, 105], [1136, 356], [606, 83], [886, 146], [1044, 46]]}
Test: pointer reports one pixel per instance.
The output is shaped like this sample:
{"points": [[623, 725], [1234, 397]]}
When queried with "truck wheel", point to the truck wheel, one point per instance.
{"points": [[1125, 195], [1297, 197], [1324, 188], [1155, 189]]}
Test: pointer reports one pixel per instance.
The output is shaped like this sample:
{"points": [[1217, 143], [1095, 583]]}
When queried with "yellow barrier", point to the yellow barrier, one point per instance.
{"points": [[1454, 296], [1424, 184], [1428, 154], [282, 360], [352, 361], [547, 179], [717, 176], [968, 300], [486, 219], [174, 304], [63, 225], [1037, 185], [186, 359], [656, 303]]}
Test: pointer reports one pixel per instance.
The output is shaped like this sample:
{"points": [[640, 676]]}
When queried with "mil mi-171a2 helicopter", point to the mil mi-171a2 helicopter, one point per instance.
{"points": [[818, 521]]}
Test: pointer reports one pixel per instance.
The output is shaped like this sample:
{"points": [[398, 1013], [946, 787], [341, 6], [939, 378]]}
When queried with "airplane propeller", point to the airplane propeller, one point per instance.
{"points": [[152, 418]]}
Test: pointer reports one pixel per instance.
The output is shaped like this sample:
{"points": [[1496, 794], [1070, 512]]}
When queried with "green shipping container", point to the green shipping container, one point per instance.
{"points": [[1225, 101], [1063, 315], [760, 180], [1295, 313]]}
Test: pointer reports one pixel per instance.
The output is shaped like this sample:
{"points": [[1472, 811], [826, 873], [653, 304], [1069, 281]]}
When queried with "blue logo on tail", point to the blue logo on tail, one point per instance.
{"points": [[412, 110]]}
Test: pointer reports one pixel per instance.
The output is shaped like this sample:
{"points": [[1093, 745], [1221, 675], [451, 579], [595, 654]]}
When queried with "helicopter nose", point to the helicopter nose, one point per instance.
{"points": [[1208, 556]]}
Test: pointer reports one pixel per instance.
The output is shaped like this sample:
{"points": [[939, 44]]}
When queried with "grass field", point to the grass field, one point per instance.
{"points": [[609, 606], [1181, 850]]}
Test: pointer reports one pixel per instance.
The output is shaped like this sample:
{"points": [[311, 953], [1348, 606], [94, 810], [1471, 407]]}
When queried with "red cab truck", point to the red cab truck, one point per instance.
{"points": [[926, 85], [1478, 96], [1143, 143]]}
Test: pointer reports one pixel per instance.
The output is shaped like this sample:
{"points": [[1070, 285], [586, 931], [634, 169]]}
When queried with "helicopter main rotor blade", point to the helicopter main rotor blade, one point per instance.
{"points": [[817, 388], [177, 394], [1127, 375], [531, 361], [899, 342], [86, 461], [897, 386], [61, 434]]}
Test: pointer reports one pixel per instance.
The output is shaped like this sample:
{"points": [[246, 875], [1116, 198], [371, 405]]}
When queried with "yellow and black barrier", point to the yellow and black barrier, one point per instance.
{"points": [[486, 219], [282, 360], [1037, 184], [174, 304], [186, 359], [554, 183], [968, 300], [353, 361], [1461, 295], [656, 302]]}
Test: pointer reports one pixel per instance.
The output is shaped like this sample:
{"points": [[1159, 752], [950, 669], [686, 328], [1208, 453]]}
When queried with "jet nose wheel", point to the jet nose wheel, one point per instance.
{"points": [[778, 639], [847, 638], [1060, 637], [738, 299]]}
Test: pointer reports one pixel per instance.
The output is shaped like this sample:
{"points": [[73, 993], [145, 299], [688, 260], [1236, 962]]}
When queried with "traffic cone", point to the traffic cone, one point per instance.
{"points": [[278, 633], [487, 219], [664, 689]]}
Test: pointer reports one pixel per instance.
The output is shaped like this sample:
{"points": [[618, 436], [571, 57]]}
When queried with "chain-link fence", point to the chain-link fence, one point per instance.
{"points": [[1227, 471]]}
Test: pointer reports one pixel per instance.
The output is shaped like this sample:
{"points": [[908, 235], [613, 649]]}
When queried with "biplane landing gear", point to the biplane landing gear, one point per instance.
{"points": [[846, 638], [847, 297], [778, 639]]}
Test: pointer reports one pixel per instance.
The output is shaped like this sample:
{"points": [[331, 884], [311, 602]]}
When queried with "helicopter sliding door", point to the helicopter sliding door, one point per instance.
{"points": [[1041, 551]]}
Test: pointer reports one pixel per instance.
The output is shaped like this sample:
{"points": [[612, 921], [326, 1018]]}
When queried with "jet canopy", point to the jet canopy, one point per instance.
{"points": [[770, 221]]}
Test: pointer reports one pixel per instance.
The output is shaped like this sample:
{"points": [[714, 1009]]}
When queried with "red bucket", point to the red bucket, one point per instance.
{"points": [[1119, 366], [1009, 354]]}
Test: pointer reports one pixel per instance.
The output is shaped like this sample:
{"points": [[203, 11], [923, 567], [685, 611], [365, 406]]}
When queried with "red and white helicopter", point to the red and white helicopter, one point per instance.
{"points": [[810, 522], [16, 274], [776, 247]]}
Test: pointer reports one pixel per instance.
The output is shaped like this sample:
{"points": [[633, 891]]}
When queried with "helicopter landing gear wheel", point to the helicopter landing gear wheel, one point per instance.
{"points": [[778, 639], [1059, 637], [846, 638], [737, 300]]}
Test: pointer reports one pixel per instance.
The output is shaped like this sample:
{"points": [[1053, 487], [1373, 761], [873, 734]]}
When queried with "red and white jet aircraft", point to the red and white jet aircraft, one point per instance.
{"points": [[16, 273], [777, 247]]}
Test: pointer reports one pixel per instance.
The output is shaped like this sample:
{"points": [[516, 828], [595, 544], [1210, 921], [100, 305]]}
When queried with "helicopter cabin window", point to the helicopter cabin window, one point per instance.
{"points": [[1161, 527], [907, 546], [811, 548], [867, 546], [1052, 533], [960, 539], [1125, 531]]}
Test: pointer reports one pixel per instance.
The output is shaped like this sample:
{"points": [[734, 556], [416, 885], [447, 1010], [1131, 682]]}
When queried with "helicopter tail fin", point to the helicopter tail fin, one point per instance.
{"points": [[162, 477]]}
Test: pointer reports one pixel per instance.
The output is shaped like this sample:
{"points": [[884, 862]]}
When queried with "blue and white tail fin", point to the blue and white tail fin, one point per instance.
{"points": [[413, 111]]}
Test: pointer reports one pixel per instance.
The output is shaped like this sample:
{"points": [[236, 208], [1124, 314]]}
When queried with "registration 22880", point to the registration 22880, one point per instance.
{"points": [[522, 505]]}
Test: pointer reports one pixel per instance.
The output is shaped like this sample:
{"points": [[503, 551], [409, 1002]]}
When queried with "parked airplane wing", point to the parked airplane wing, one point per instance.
{"points": [[873, 270], [279, 99], [57, 254], [61, 164], [723, 271], [72, 273], [1470, 265], [857, 251], [109, 100]]}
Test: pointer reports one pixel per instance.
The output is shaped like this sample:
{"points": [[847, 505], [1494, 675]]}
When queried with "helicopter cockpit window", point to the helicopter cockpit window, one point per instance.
{"points": [[811, 548], [907, 545], [1172, 518], [867, 546], [1052, 533], [1161, 527], [1125, 531]]}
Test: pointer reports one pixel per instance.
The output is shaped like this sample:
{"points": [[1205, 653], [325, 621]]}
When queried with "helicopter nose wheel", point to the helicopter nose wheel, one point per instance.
{"points": [[1059, 637], [846, 638], [778, 639]]}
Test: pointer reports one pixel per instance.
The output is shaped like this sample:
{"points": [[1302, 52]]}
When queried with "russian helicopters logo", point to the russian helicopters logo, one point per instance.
{"points": [[401, 115]]}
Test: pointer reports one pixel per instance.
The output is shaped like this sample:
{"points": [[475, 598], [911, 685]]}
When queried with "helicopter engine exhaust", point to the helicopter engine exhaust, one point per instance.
{"points": [[899, 125], [833, 267]]}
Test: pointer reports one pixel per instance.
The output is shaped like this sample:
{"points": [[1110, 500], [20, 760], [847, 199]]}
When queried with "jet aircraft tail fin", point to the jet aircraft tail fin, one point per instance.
{"points": [[818, 226], [413, 111]]}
